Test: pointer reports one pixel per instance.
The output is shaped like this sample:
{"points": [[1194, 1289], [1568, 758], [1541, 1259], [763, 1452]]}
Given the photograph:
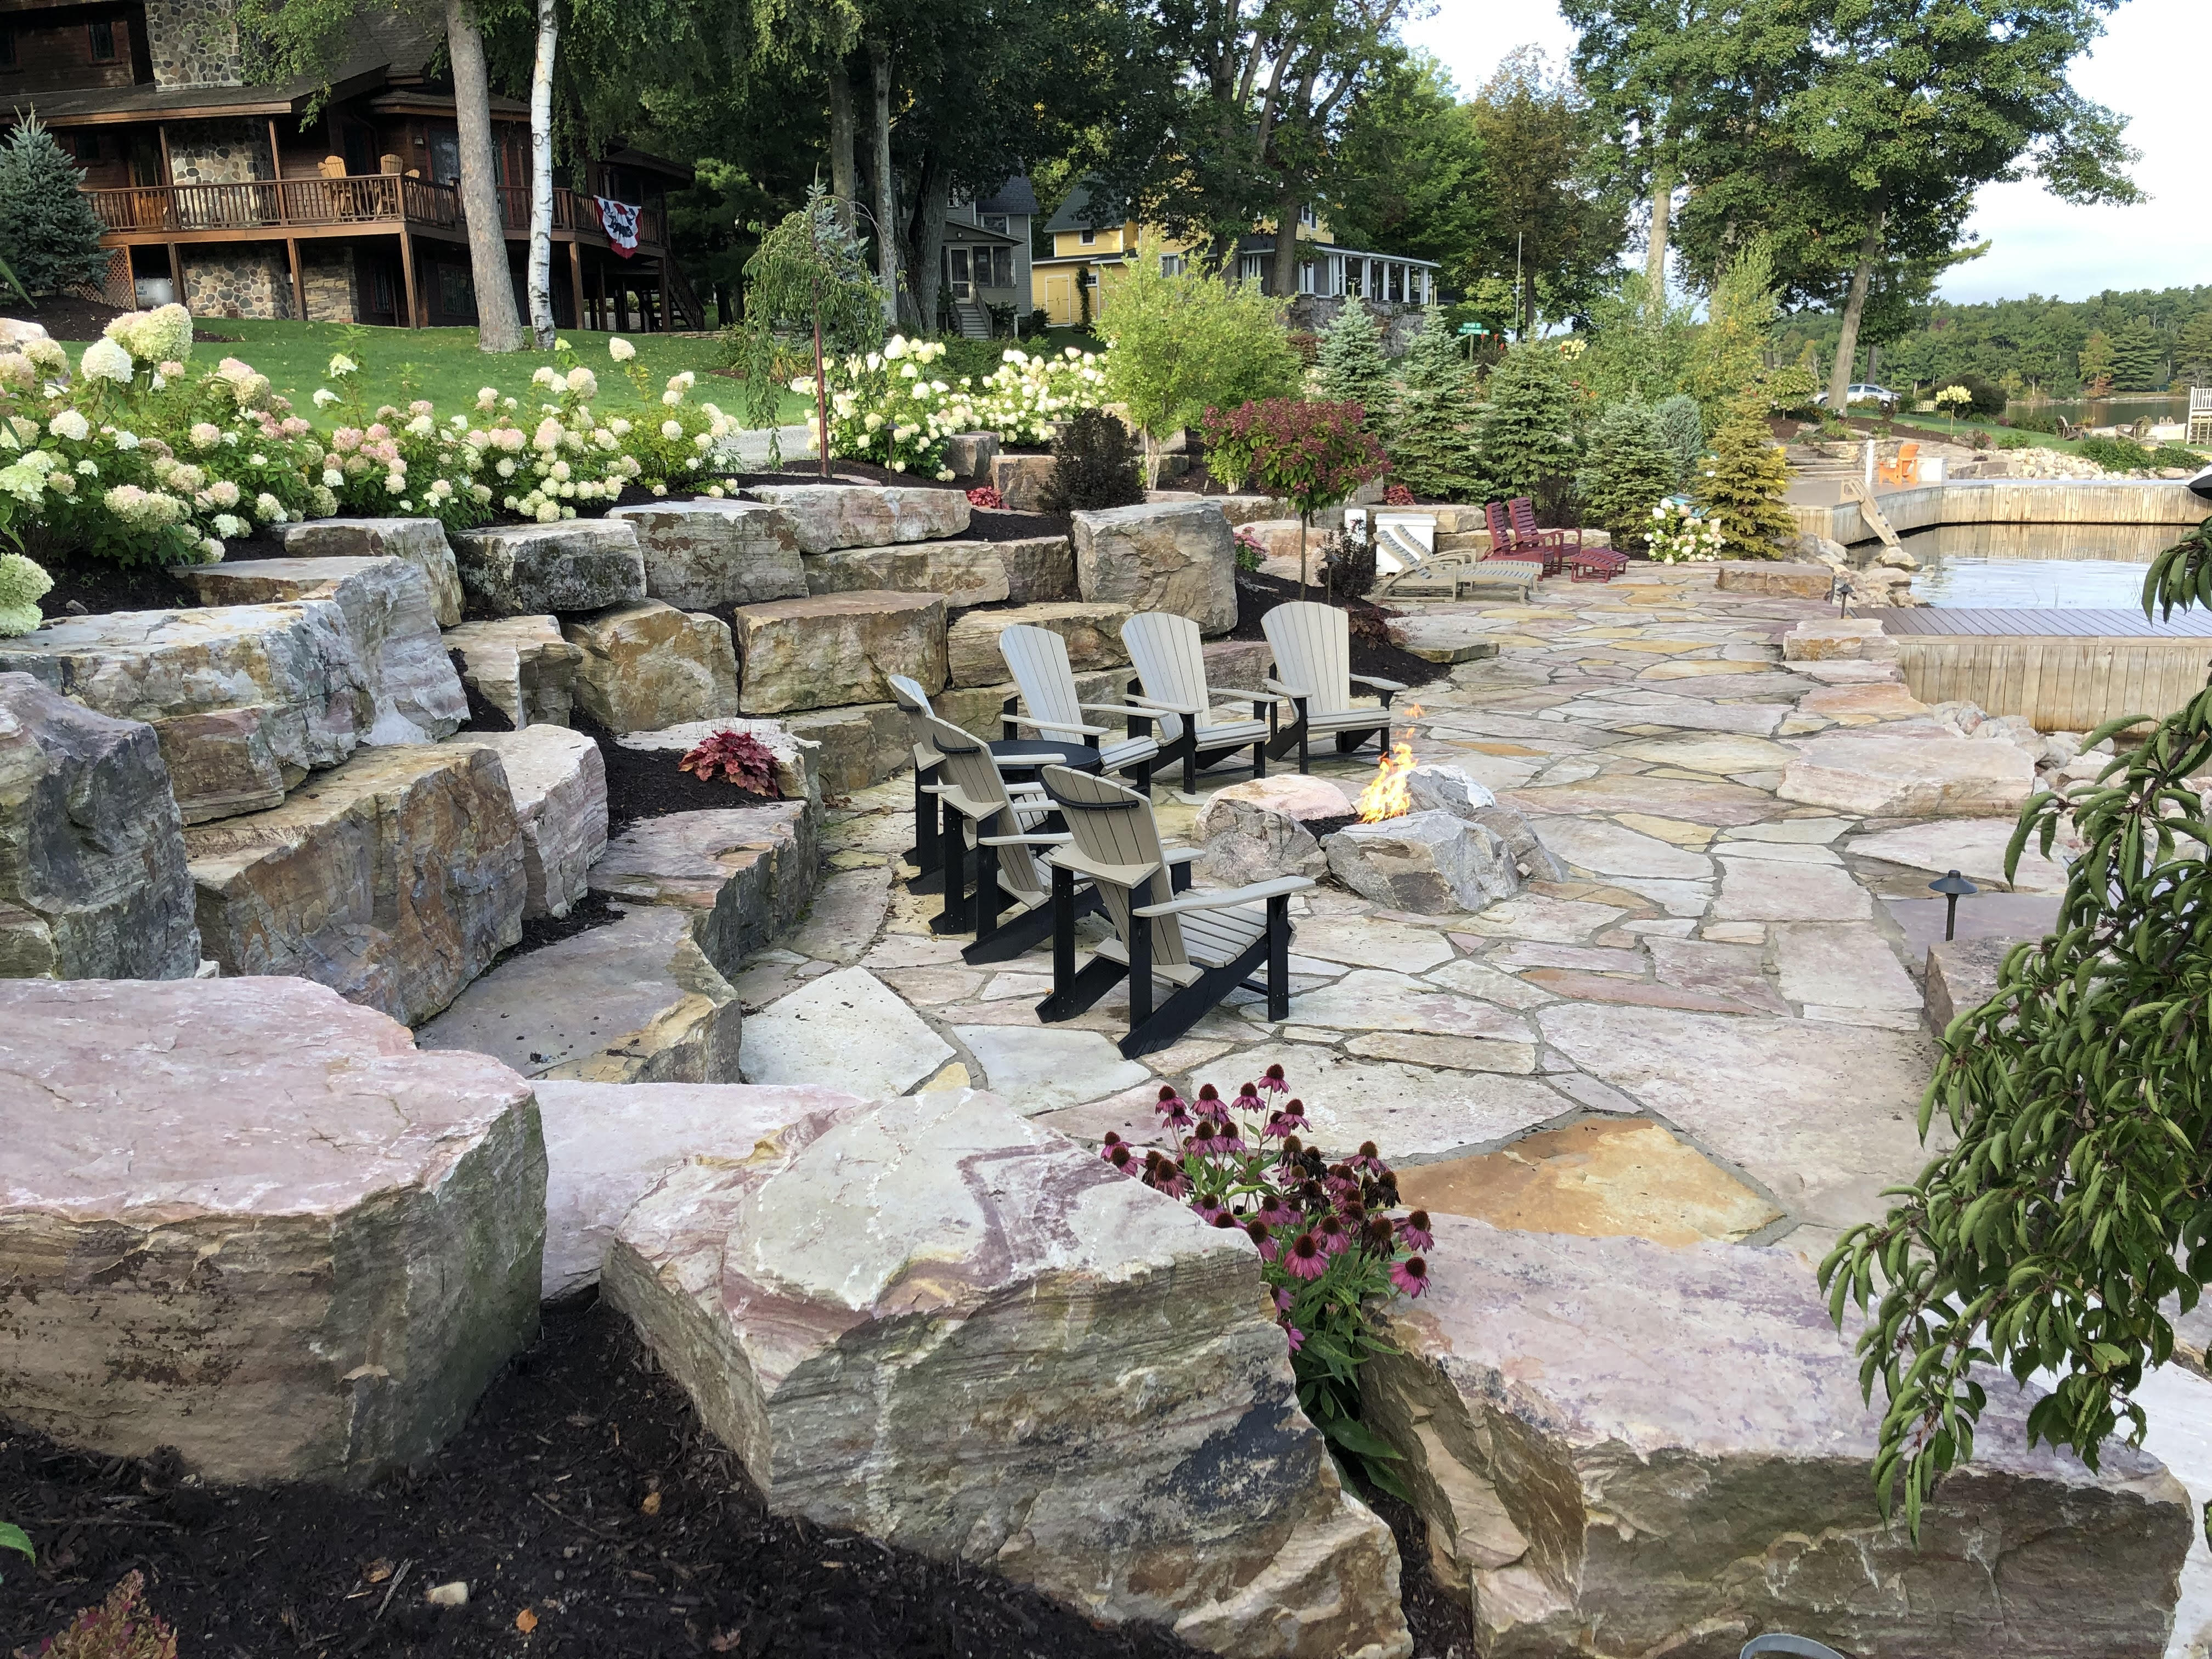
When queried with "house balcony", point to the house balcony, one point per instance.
{"points": [[375, 203]]}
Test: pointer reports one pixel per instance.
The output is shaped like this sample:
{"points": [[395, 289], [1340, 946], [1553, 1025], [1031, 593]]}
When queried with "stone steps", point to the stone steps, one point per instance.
{"points": [[744, 875], [647, 664], [836, 649], [521, 569], [966, 573], [827, 517], [703, 554], [421, 542], [520, 665]]}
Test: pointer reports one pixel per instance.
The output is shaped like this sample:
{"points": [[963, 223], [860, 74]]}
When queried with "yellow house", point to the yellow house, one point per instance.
{"points": [[1088, 249]]}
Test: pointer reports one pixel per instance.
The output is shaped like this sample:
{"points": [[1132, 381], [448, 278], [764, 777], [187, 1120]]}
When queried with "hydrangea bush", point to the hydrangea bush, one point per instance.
{"points": [[886, 407], [1332, 1242], [1679, 536]]}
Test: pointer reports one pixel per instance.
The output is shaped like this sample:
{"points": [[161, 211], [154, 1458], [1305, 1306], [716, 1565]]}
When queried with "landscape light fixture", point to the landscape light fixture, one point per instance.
{"points": [[1953, 887]]}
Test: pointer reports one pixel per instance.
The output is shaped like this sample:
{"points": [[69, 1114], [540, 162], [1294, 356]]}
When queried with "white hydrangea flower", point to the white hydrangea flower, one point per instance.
{"points": [[71, 424], [105, 360], [621, 350], [672, 430]]}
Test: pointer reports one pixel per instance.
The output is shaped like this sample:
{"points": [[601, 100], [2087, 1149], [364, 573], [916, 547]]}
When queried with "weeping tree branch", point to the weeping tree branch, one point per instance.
{"points": [[808, 276]]}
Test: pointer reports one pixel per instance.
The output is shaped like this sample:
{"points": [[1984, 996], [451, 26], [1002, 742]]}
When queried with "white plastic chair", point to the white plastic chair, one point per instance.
{"points": [[1312, 645], [1170, 663], [1037, 659], [1004, 825]]}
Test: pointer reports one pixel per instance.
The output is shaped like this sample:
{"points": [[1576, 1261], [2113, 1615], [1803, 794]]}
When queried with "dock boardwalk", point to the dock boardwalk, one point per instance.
{"points": [[2066, 671]]}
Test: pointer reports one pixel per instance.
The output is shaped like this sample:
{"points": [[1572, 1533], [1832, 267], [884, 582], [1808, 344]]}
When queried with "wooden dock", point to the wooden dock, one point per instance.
{"points": [[2066, 671], [1901, 620]]}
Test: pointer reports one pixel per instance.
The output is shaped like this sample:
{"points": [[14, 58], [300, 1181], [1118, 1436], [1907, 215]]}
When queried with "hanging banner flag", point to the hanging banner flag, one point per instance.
{"points": [[619, 220]]}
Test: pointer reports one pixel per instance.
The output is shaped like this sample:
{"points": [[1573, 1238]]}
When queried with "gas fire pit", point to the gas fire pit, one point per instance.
{"points": [[1432, 841]]}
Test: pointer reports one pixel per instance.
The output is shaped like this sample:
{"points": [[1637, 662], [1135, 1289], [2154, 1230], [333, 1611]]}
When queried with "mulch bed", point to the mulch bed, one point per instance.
{"points": [[66, 317], [1257, 594], [646, 783], [540, 1505]]}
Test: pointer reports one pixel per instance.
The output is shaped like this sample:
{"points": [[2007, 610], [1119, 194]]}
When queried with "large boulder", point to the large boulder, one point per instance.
{"points": [[1257, 830], [608, 1144], [826, 517], [1177, 557], [247, 1219], [92, 884], [967, 574], [246, 699], [836, 648], [969, 454], [1836, 639], [1432, 863], [703, 554], [520, 665], [393, 879], [1433, 787], [558, 783], [649, 664], [1883, 777], [416, 696], [858, 1309], [1039, 568], [635, 1000], [1023, 481], [1625, 1449], [1091, 632], [746, 873], [1780, 579], [580, 564], [421, 542]]}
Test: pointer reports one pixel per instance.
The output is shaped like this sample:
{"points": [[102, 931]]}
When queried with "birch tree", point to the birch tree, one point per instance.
{"points": [[541, 177]]}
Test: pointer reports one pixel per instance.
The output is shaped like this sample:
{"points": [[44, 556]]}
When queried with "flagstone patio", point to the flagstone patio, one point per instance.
{"points": [[1721, 971]]}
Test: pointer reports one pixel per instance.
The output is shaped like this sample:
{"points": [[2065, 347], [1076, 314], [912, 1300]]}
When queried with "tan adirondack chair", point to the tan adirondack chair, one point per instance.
{"points": [[1312, 645], [1006, 834], [1203, 944], [1037, 659], [1170, 663]]}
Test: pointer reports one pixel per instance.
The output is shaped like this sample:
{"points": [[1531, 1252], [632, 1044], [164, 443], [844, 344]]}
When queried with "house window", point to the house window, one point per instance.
{"points": [[102, 35], [1307, 216], [1397, 284], [1306, 277], [456, 293], [1252, 267], [86, 145], [995, 221], [446, 161], [1002, 267], [7, 45], [1087, 237], [1171, 264]]}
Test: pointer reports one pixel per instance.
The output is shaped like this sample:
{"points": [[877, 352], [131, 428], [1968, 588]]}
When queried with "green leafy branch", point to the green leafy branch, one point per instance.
{"points": [[2077, 1200]]}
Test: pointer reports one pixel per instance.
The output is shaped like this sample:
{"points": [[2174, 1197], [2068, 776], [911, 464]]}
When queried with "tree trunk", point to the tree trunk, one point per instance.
{"points": [[1655, 256], [1847, 348], [880, 65], [934, 199], [497, 328], [844, 184], [1283, 279], [541, 179]]}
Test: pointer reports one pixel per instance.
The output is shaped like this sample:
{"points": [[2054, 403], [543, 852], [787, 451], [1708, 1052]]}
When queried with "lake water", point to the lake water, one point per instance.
{"points": [[2123, 410], [2035, 567]]}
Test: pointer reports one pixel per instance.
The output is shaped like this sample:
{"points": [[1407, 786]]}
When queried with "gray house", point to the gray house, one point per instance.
{"points": [[986, 255]]}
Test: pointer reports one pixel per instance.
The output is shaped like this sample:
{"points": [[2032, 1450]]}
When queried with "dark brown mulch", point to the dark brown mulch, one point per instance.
{"points": [[538, 1505], [65, 316], [986, 526], [98, 586], [644, 784], [1257, 594], [1441, 1621]]}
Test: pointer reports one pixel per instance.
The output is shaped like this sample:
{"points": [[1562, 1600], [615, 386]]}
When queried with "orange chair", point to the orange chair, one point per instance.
{"points": [[1904, 470]]}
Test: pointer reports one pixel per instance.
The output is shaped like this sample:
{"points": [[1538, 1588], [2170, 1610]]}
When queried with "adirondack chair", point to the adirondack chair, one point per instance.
{"points": [[1037, 658], [928, 853], [1004, 825], [1418, 564], [1553, 543], [1203, 944], [1504, 545], [1312, 645], [1170, 665], [1904, 470]]}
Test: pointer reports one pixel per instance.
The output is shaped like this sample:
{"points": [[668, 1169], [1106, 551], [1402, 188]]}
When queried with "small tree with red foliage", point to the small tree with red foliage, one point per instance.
{"points": [[1311, 453]]}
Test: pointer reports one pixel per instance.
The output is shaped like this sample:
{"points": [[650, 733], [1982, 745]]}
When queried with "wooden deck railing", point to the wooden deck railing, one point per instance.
{"points": [[372, 199]]}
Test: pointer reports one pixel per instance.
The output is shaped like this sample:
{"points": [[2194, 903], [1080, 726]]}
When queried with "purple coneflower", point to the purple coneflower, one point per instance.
{"points": [[1272, 1083], [1282, 1300], [1120, 1157], [1248, 1100], [1257, 1231], [1306, 1257], [1275, 1212], [1366, 1160], [1209, 1209], [1333, 1235], [1297, 1337], [1169, 1178], [1174, 1109], [1414, 1230], [1411, 1275], [1210, 1103]]}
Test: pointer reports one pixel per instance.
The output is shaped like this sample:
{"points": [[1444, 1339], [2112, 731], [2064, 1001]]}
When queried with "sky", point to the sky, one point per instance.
{"points": [[2149, 66]]}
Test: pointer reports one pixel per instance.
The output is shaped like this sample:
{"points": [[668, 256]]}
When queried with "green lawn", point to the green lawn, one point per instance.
{"points": [[443, 364], [1963, 431]]}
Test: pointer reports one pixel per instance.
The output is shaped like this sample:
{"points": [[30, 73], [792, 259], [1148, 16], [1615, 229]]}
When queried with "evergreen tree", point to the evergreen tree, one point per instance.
{"points": [[2135, 356], [1528, 439], [1352, 369], [1432, 427], [1682, 428], [49, 233], [2193, 361], [1628, 467], [1744, 480]]}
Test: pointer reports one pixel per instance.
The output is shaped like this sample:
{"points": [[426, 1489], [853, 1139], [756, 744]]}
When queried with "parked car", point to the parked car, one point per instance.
{"points": [[1867, 394]]}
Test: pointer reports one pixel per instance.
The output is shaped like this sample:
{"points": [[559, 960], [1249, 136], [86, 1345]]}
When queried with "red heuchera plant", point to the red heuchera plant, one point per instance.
{"points": [[744, 760], [986, 498], [1331, 1240], [120, 1628], [1397, 495]]}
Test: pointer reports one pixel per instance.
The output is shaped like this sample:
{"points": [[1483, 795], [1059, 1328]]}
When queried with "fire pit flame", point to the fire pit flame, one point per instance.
{"points": [[1389, 794]]}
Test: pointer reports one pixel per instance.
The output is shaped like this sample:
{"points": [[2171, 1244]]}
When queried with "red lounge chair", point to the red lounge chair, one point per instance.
{"points": [[1553, 543], [1595, 564], [1504, 545]]}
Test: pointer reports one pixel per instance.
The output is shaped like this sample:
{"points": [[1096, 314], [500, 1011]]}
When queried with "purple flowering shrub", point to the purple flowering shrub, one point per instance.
{"points": [[1331, 1240]]}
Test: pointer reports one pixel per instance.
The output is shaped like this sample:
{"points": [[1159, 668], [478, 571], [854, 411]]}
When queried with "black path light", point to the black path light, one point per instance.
{"points": [[1953, 887]]}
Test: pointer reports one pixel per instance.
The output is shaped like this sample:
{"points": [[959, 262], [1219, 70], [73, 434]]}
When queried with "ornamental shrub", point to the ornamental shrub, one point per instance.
{"points": [[1743, 481], [1528, 436], [1352, 368], [1433, 430], [23, 584], [1093, 465], [2116, 455], [1682, 428], [1628, 469], [1332, 1245], [49, 233], [122, 1627], [1311, 453]]}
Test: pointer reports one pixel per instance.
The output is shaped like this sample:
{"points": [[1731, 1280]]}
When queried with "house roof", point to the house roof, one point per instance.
{"points": [[959, 230], [1265, 243], [1017, 195], [1078, 212]]}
